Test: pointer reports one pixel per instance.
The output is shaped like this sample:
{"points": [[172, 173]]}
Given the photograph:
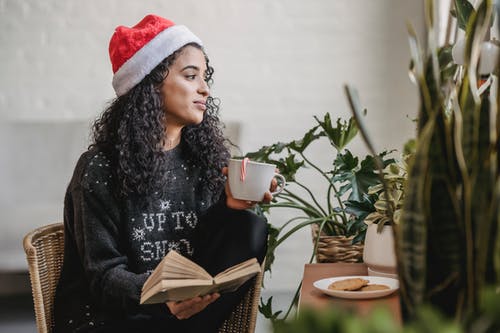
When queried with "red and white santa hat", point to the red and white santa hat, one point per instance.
{"points": [[136, 51]]}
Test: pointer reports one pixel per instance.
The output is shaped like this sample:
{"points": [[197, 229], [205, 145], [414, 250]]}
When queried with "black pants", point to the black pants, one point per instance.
{"points": [[224, 237]]}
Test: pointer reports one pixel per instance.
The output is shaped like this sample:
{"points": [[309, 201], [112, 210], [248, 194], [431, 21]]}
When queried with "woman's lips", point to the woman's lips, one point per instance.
{"points": [[201, 105]]}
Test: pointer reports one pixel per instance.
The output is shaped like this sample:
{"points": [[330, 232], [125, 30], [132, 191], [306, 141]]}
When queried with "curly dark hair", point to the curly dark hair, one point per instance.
{"points": [[131, 132]]}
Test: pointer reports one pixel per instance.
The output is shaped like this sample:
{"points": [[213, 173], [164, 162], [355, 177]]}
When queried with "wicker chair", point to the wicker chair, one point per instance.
{"points": [[44, 249]]}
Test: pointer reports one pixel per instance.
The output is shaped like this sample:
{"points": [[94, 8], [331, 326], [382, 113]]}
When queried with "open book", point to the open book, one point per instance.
{"points": [[177, 278]]}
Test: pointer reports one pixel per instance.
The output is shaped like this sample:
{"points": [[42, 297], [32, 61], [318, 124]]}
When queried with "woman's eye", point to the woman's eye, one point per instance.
{"points": [[190, 77]]}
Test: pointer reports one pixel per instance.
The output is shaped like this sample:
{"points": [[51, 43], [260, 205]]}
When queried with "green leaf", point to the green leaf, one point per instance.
{"points": [[309, 137], [267, 309], [360, 208], [345, 161], [344, 188], [365, 177], [463, 11], [373, 218], [357, 228], [409, 147], [394, 168], [264, 153], [381, 206], [272, 239], [289, 166], [447, 66], [417, 62], [341, 134], [357, 178], [375, 188]]}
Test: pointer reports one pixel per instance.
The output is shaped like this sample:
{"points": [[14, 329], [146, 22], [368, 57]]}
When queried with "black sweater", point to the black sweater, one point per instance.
{"points": [[112, 245]]}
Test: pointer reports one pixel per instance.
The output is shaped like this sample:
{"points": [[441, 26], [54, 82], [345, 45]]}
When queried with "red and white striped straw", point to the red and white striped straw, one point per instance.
{"points": [[243, 171]]}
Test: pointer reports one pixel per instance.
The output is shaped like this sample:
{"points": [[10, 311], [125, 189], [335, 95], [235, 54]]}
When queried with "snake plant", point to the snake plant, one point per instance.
{"points": [[448, 238]]}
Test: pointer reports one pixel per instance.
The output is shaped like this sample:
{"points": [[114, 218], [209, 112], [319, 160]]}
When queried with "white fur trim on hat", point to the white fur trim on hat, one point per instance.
{"points": [[150, 55]]}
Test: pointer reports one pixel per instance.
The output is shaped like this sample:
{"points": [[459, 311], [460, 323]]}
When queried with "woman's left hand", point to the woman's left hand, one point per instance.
{"points": [[234, 203], [189, 307]]}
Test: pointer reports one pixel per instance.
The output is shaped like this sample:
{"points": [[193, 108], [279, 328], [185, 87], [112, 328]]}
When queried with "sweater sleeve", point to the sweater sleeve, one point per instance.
{"points": [[98, 240]]}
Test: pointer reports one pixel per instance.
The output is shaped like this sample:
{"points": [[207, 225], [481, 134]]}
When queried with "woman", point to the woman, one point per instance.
{"points": [[153, 180]]}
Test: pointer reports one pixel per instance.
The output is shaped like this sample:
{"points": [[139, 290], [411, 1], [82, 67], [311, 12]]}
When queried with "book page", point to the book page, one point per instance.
{"points": [[231, 285], [175, 260], [244, 273], [178, 278], [233, 277], [250, 263], [170, 276], [176, 290], [175, 266]]}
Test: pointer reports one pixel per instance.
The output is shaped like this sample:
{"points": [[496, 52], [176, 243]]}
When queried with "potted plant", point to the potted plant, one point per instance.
{"points": [[336, 215], [346, 201], [379, 252]]}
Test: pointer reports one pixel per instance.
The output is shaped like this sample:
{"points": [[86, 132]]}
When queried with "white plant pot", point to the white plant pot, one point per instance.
{"points": [[379, 253]]}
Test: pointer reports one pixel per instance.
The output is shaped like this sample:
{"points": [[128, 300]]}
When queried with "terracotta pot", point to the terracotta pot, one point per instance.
{"points": [[379, 253]]}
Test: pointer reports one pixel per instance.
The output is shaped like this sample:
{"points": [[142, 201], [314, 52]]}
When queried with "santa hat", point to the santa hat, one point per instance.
{"points": [[136, 51]]}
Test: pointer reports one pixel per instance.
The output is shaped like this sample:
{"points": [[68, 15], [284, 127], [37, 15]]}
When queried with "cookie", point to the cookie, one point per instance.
{"points": [[348, 284], [372, 287]]}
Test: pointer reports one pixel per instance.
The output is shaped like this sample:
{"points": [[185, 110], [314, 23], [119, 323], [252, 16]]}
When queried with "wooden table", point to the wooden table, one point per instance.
{"points": [[311, 297]]}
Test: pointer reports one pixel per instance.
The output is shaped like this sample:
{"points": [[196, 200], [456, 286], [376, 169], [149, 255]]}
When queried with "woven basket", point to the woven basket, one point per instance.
{"points": [[336, 248]]}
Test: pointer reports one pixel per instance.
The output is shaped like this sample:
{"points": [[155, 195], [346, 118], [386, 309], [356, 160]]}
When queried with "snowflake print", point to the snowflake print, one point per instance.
{"points": [[164, 204], [174, 246], [138, 234]]}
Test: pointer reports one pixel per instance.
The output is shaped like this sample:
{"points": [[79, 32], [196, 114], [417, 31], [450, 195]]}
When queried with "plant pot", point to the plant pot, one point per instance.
{"points": [[379, 253], [336, 248]]}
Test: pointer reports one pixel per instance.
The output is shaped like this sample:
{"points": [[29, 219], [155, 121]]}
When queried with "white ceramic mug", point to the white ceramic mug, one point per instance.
{"points": [[249, 180]]}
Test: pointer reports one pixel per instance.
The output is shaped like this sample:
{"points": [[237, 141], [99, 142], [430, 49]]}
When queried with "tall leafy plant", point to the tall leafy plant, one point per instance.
{"points": [[448, 241], [341, 209], [448, 238]]}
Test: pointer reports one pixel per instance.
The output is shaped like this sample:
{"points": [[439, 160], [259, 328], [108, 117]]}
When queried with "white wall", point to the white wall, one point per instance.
{"points": [[277, 63]]}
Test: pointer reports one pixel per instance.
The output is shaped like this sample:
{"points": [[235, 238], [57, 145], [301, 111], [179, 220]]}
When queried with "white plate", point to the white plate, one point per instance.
{"points": [[393, 284]]}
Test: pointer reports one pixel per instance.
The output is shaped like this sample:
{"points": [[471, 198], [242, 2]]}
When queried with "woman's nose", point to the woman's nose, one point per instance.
{"points": [[203, 88]]}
